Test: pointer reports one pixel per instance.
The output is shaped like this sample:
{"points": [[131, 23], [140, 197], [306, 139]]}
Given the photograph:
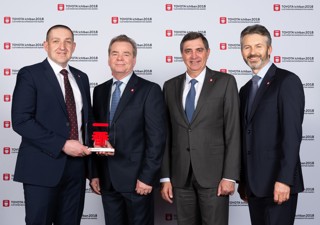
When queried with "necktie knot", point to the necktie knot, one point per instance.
{"points": [[193, 82], [255, 79], [118, 83], [64, 72]]}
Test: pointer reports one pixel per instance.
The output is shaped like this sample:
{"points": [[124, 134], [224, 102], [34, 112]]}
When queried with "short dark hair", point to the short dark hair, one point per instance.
{"points": [[124, 38], [59, 26], [256, 29], [192, 36]]}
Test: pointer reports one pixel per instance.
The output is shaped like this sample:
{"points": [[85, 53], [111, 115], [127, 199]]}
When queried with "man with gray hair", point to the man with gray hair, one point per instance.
{"points": [[272, 109]]}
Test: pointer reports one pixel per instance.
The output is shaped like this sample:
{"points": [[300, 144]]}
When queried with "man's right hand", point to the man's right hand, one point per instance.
{"points": [[75, 149], [166, 191]]}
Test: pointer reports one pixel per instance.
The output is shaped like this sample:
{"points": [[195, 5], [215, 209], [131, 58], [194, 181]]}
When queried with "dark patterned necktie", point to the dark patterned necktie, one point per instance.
{"points": [[189, 107], [71, 106], [254, 88]]}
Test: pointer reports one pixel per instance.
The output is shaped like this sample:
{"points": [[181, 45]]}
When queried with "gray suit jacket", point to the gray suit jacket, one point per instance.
{"points": [[211, 142]]}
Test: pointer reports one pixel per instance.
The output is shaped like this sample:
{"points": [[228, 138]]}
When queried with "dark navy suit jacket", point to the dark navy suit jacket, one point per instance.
{"points": [[137, 132], [272, 133], [39, 115]]}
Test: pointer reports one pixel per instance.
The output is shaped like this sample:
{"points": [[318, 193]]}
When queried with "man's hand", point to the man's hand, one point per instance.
{"points": [[107, 145], [226, 187], [281, 193], [95, 185], [142, 188], [75, 149], [166, 191]]}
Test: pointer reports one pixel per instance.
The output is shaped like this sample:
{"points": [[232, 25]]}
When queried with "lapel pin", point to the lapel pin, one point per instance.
{"points": [[132, 90]]}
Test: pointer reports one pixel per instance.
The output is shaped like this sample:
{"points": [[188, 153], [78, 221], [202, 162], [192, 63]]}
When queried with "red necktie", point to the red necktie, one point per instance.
{"points": [[71, 106]]}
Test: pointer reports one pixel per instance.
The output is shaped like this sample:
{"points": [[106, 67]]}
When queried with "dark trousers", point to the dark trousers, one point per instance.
{"points": [[263, 211], [60, 205], [200, 206], [128, 208]]}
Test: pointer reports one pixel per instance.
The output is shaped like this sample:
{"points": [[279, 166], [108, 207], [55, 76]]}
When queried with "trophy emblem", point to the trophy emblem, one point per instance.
{"points": [[100, 138]]}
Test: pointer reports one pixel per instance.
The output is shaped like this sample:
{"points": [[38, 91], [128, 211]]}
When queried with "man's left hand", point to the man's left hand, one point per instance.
{"points": [[142, 188], [281, 193]]}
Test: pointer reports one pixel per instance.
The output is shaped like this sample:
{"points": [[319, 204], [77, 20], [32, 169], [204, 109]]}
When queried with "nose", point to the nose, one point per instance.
{"points": [[252, 51], [193, 54], [62, 45], [119, 57]]}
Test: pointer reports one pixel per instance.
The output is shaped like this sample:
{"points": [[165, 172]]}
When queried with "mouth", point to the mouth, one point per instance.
{"points": [[193, 62], [254, 58], [62, 53]]}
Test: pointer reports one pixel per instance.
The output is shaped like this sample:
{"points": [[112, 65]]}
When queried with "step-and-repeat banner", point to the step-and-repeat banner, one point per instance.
{"points": [[158, 27]]}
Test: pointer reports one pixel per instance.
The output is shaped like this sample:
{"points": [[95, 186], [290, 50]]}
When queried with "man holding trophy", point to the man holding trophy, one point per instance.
{"points": [[126, 166]]}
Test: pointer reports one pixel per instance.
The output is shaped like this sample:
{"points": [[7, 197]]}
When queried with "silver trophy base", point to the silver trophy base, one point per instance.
{"points": [[101, 149]]}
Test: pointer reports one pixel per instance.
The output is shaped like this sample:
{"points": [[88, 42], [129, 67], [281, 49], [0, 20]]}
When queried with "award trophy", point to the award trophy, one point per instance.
{"points": [[100, 138]]}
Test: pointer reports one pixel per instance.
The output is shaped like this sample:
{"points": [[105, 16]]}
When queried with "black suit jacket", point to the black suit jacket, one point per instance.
{"points": [[39, 115], [137, 133], [272, 133], [211, 142]]}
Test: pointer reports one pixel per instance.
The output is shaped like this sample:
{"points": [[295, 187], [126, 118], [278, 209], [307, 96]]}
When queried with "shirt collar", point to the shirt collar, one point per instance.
{"points": [[57, 68], [264, 70], [124, 80], [199, 78]]}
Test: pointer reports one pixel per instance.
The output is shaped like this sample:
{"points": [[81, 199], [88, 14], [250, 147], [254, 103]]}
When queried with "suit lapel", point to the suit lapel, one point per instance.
{"points": [[179, 86], [49, 73], [267, 80], [244, 99], [105, 104], [208, 83], [128, 92]]}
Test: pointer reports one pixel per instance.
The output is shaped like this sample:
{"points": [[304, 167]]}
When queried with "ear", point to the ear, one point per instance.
{"points": [[74, 47], [269, 51], [45, 46], [134, 61]]}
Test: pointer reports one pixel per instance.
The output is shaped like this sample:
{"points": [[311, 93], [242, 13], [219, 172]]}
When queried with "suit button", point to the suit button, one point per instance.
{"points": [[188, 149], [248, 152], [189, 130], [249, 131]]}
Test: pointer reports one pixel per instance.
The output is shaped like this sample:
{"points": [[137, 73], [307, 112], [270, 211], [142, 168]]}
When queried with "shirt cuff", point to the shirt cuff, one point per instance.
{"points": [[166, 179]]}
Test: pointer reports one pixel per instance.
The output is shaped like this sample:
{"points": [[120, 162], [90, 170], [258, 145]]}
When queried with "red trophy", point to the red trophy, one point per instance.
{"points": [[100, 138]]}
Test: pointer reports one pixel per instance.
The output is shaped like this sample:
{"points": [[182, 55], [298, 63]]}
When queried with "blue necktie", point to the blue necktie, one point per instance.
{"points": [[115, 99], [254, 88], [189, 107]]}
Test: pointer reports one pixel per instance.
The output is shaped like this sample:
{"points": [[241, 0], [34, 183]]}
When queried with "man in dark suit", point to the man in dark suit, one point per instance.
{"points": [[202, 157], [271, 131], [51, 163], [126, 179]]}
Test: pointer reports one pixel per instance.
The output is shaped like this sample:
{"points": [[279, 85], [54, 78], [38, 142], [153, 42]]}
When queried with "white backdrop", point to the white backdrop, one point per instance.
{"points": [[158, 27]]}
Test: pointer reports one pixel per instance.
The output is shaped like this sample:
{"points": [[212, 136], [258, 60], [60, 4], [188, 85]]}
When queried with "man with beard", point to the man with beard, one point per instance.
{"points": [[272, 109]]}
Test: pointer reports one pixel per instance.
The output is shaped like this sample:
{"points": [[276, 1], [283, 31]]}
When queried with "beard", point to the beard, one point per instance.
{"points": [[259, 64]]}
